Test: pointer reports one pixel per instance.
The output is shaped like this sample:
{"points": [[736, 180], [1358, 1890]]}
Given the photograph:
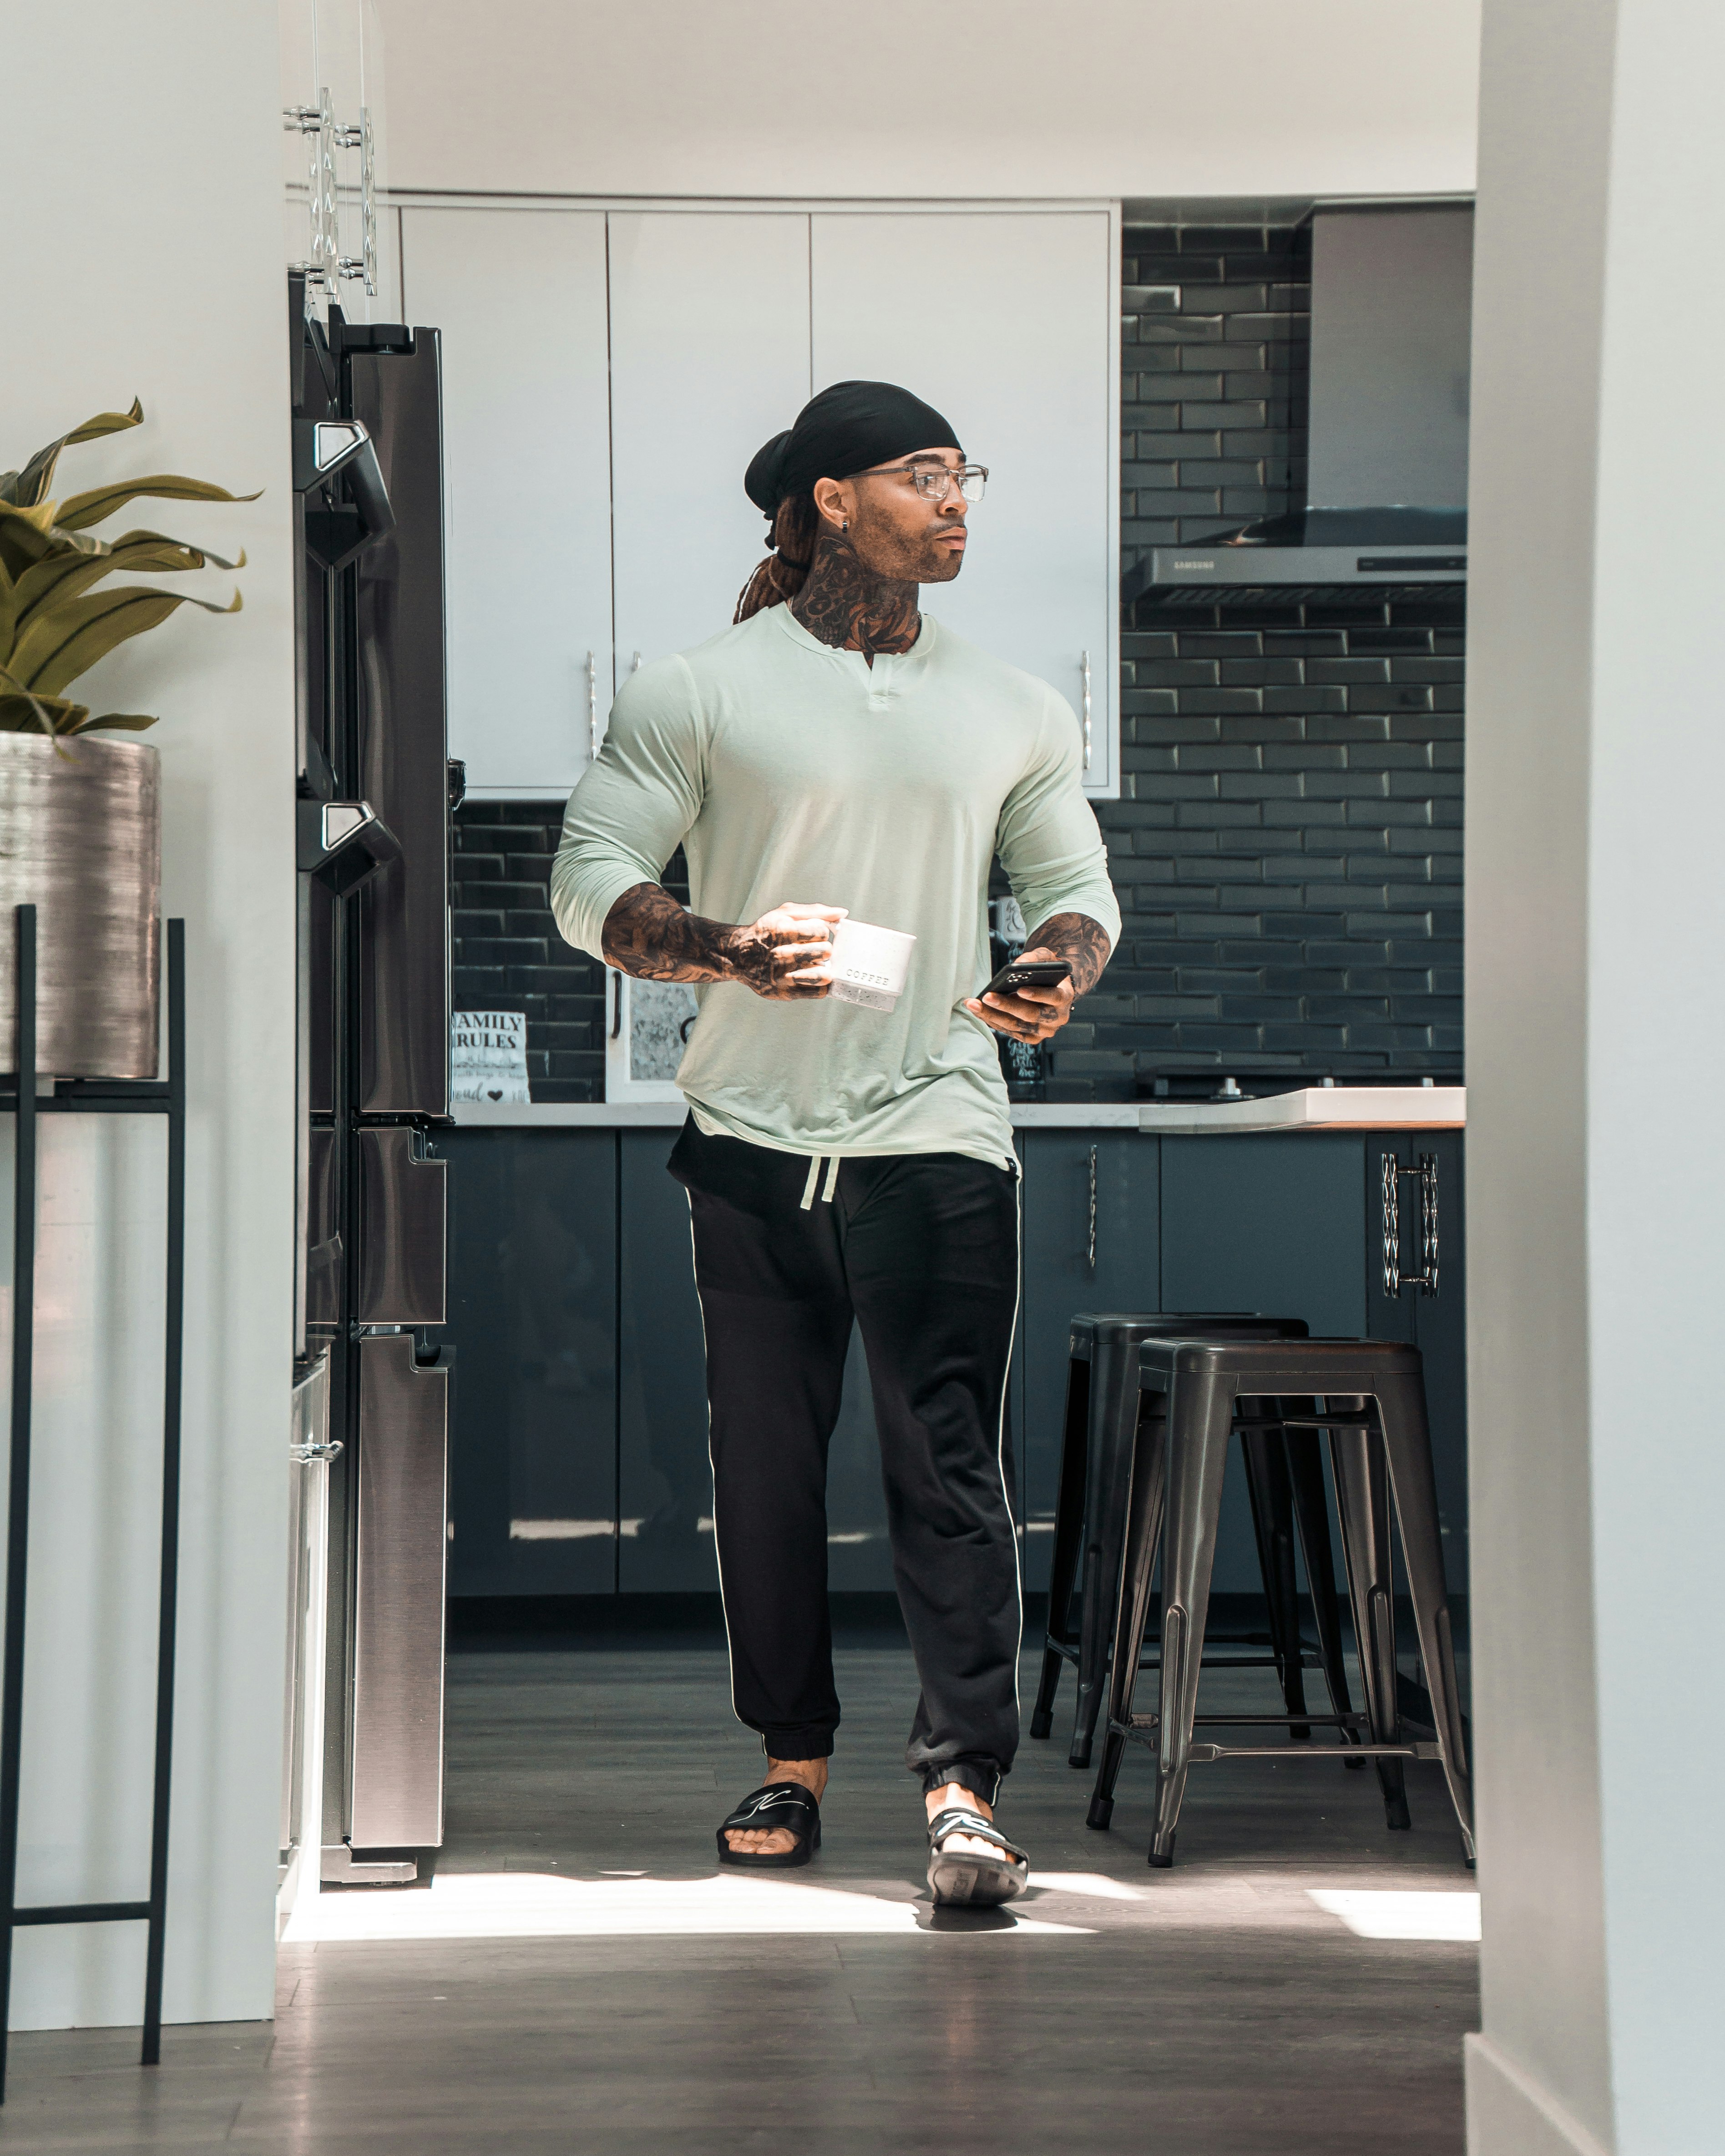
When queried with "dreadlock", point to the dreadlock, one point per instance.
{"points": [[780, 576]]}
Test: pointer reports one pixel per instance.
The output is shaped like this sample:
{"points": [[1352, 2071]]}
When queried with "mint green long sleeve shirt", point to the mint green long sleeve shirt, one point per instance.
{"points": [[790, 771]]}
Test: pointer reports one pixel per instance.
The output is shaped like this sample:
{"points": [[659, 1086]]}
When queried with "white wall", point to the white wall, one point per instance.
{"points": [[960, 98], [1596, 1167], [144, 256]]}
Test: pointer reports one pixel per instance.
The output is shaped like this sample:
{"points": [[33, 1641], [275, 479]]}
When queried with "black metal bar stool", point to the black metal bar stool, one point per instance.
{"points": [[1284, 1481], [1370, 1396]]}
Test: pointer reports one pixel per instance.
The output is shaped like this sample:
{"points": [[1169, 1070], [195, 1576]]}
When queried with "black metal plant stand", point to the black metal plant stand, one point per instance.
{"points": [[90, 1096]]}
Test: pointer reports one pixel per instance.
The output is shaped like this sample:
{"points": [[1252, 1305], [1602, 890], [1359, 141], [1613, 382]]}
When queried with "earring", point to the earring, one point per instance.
{"points": [[844, 523]]}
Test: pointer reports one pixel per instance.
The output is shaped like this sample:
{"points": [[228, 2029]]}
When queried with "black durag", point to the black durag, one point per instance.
{"points": [[846, 429]]}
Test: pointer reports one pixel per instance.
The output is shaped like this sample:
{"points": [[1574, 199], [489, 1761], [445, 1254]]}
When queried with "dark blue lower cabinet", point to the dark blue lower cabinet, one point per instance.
{"points": [[578, 1457], [532, 1303], [1268, 1223], [1091, 1240]]}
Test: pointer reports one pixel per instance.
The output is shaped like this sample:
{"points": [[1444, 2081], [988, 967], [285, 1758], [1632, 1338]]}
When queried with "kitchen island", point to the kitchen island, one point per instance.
{"points": [[578, 1454]]}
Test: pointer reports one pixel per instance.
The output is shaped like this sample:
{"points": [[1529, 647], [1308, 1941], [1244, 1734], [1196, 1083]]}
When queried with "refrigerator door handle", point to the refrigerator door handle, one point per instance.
{"points": [[343, 843]]}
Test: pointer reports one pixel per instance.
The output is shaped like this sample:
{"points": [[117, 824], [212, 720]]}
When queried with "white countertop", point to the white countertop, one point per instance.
{"points": [[1308, 1108], [581, 1114], [1315, 1108]]}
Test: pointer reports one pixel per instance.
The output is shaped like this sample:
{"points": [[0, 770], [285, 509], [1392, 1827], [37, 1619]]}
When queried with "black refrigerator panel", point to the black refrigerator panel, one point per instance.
{"points": [[404, 953], [394, 1796], [320, 1020], [323, 1233], [373, 991], [401, 1223], [318, 753]]}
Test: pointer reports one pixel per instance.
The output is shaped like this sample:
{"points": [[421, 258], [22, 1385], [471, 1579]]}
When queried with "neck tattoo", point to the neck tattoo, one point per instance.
{"points": [[850, 608]]}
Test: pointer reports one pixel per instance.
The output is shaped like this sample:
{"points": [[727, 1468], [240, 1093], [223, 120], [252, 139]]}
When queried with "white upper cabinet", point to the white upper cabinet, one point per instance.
{"points": [[1007, 322], [609, 374], [709, 357], [520, 297]]}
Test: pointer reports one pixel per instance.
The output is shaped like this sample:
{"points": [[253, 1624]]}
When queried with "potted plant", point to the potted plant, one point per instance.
{"points": [[80, 812]]}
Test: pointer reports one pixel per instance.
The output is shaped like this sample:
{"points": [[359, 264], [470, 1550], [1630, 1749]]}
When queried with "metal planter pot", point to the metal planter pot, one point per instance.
{"points": [[80, 840]]}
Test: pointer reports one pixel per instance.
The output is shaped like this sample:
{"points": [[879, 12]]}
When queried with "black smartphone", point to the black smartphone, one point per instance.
{"points": [[1028, 973]]}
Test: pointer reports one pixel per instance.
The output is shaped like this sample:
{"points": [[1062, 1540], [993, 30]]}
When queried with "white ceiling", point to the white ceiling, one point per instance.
{"points": [[1258, 100]]}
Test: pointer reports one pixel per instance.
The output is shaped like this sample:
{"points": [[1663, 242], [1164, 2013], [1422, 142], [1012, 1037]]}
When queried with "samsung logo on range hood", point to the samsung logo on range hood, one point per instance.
{"points": [[1385, 417]]}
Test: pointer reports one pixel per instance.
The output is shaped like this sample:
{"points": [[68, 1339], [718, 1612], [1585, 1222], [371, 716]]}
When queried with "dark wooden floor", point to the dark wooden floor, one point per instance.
{"points": [[531, 2003]]}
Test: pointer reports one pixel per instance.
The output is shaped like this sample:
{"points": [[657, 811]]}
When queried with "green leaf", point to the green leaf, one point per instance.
{"points": [[28, 486], [20, 712], [31, 526], [70, 641], [131, 722], [24, 540], [62, 576], [78, 509], [108, 423]]}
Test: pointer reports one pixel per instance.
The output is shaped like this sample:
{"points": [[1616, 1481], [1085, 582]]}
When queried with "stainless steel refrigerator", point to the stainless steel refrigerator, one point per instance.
{"points": [[375, 792]]}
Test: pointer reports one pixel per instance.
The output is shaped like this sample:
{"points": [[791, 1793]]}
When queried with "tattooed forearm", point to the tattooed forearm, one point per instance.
{"points": [[849, 606], [649, 934], [1082, 942]]}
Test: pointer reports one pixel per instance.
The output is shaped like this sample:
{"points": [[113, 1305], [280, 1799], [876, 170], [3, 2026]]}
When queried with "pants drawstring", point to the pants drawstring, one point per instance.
{"points": [[809, 1187]]}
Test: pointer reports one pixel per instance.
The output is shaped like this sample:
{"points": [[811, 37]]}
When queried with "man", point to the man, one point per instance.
{"points": [[835, 751]]}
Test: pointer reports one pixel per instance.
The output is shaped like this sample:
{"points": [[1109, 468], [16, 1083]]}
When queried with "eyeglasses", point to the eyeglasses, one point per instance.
{"points": [[934, 482]]}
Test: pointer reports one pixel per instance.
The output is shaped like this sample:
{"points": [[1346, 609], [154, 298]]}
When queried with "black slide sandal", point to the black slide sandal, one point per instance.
{"points": [[964, 1877], [785, 1804]]}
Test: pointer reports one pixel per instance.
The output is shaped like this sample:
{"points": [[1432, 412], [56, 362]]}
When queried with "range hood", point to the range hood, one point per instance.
{"points": [[1386, 418]]}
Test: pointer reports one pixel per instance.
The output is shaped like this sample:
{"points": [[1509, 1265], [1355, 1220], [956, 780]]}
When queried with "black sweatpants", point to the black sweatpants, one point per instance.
{"points": [[922, 1249]]}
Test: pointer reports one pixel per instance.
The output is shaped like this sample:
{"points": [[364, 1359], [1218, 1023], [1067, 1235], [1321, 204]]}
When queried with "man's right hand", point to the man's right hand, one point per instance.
{"points": [[783, 954]]}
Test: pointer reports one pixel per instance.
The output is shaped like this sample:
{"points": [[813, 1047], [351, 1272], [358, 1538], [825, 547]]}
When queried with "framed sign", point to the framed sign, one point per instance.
{"points": [[488, 1055]]}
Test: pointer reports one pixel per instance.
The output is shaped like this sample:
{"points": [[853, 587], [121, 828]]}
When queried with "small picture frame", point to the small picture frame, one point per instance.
{"points": [[488, 1055], [647, 1028]]}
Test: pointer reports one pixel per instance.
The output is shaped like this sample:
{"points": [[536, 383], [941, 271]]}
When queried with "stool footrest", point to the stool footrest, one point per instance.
{"points": [[1203, 1754], [1350, 1420], [1255, 1722], [1309, 1659]]}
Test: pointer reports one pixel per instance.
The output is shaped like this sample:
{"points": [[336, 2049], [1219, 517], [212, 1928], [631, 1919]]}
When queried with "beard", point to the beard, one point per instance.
{"points": [[886, 549]]}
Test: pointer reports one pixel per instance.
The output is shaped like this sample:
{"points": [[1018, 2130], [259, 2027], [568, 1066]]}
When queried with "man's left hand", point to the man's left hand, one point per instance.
{"points": [[1026, 1013]]}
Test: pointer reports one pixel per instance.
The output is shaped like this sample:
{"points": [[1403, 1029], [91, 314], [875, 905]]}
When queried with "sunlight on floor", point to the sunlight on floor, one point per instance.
{"points": [[1091, 1884], [1394, 1914], [519, 1904]]}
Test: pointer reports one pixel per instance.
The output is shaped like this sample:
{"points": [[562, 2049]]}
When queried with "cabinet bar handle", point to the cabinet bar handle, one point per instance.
{"points": [[1425, 1280], [636, 667], [1092, 1208], [593, 709], [1084, 669]]}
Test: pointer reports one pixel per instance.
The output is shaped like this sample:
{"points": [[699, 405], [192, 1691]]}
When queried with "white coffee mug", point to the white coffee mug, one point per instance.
{"points": [[869, 965]]}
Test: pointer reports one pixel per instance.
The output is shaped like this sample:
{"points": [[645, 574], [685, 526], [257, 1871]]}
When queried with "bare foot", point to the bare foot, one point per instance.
{"points": [[778, 1840], [956, 1797]]}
